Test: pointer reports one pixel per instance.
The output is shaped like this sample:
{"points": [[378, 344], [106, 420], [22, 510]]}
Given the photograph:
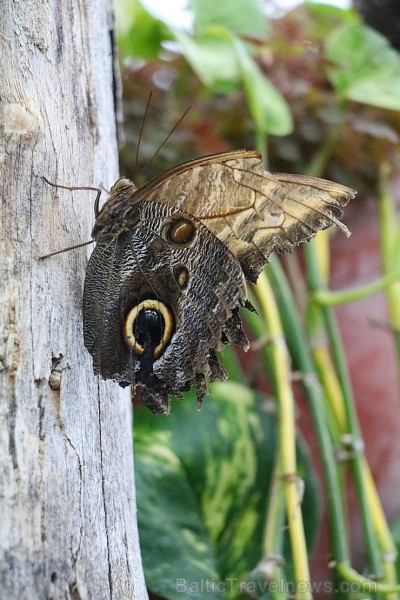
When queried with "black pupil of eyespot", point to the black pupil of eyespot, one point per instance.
{"points": [[149, 328]]}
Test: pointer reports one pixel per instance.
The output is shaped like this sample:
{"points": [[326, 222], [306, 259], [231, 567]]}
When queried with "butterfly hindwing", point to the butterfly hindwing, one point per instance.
{"points": [[197, 280]]}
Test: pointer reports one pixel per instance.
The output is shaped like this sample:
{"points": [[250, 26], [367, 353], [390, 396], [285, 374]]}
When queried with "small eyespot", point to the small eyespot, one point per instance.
{"points": [[179, 231], [149, 323], [181, 275]]}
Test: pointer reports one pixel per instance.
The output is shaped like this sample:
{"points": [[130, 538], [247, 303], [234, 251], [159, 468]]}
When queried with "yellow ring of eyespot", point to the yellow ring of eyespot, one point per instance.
{"points": [[130, 320]]}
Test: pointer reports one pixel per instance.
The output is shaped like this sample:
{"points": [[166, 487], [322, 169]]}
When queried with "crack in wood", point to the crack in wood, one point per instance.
{"points": [[103, 490]]}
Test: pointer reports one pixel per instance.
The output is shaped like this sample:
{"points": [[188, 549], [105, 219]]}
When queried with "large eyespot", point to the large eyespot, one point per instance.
{"points": [[149, 326], [179, 231]]}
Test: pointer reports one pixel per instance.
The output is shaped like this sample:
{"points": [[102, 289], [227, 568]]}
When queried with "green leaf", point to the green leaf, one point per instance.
{"points": [[202, 487], [213, 59], [223, 63], [368, 68], [139, 33], [267, 106], [241, 17], [176, 551], [326, 18], [328, 12]]}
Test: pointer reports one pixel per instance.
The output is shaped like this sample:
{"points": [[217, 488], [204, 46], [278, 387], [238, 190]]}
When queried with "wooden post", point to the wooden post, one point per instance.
{"points": [[67, 508]]}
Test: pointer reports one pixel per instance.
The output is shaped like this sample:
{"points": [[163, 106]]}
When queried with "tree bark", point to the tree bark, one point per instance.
{"points": [[68, 517]]}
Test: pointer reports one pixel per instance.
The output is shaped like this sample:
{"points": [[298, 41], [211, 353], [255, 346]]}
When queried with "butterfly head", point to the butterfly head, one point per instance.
{"points": [[122, 184], [109, 216]]}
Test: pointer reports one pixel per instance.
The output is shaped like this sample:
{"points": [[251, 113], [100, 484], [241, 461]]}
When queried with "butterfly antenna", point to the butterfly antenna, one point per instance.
{"points": [[140, 134], [66, 249], [167, 138]]}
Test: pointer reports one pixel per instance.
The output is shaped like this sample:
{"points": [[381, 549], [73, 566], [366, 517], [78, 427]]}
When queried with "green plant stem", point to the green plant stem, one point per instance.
{"points": [[390, 236], [379, 545], [303, 361], [274, 532], [389, 551], [275, 521], [365, 585], [301, 355], [287, 435], [270, 566], [355, 461], [336, 418], [328, 298], [390, 252], [261, 145], [322, 157]]}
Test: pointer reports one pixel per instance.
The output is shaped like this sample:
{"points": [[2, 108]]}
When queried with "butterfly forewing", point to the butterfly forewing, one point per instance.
{"points": [[252, 211]]}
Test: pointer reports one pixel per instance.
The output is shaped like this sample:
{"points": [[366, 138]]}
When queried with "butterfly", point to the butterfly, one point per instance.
{"points": [[167, 277]]}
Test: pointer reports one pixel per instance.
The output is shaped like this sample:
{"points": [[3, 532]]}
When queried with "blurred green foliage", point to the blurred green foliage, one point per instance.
{"points": [[239, 71], [202, 487]]}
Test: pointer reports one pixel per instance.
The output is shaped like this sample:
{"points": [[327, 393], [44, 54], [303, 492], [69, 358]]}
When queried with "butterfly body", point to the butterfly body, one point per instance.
{"points": [[166, 280]]}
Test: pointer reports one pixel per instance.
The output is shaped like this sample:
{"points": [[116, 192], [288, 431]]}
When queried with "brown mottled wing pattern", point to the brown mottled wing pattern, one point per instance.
{"points": [[138, 263], [252, 211], [212, 221]]}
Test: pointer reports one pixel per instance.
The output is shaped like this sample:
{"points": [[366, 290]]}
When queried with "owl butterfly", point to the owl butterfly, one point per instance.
{"points": [[166, 279]]}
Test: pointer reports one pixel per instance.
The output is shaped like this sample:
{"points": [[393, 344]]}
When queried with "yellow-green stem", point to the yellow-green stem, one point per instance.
{"points": [[315, 285], [333, 393], [328, 298], [388, 549], [390, 252], [273, 530], [287, 436], [363, 584], [301, 355]]}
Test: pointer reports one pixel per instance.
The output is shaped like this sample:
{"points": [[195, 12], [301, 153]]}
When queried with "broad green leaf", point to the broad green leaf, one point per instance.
{"points": [[139, 33], [240, 17], [267, 106], [213, 59], [329, 11], [223, 63], [368, 68], [202, 487], [326, 18], [176, 550]]}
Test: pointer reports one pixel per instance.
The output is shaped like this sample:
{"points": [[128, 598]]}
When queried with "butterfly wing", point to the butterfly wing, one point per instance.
{"points": [[166, 279], [198, 282], [250, 210]]}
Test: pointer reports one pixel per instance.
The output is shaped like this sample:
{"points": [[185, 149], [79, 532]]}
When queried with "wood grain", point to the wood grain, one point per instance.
{"points": [[67, 527]]}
